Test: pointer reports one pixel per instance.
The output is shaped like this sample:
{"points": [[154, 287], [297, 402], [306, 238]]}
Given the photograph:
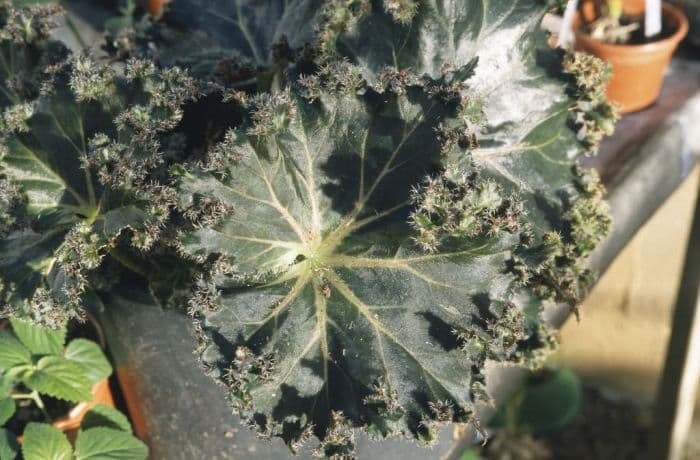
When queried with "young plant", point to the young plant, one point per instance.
{"points": [[104, 433], [34, 364], [611, 28], [375, 197], [36, 358]]}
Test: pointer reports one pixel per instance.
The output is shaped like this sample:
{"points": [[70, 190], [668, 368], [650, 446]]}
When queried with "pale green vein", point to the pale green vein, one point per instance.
{"points": [[281, 306], [350, 296], [311, 185], [278, 206], [47, 169], [435, 282], [346, 226], [320, 303], [274, 243], [316, 336], [367, 262]]}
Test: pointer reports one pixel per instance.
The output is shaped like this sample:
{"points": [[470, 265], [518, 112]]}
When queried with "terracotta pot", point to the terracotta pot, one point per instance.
{"points": [[637, 70], [155, 7], [70, 423]]}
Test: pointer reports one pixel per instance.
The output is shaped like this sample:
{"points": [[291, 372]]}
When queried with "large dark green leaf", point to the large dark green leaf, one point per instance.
{"points": [[444, 35], [74, 169], [202, 33], [371, 252], [526, 131], [73, 218]]}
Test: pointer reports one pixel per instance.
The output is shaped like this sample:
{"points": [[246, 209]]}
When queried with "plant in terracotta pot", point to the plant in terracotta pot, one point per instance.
{"points": [[76, 374], [621, 34], [51, 393]]}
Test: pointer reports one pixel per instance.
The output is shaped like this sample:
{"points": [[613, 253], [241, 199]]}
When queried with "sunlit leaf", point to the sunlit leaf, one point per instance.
{"points": [[373, 244]]}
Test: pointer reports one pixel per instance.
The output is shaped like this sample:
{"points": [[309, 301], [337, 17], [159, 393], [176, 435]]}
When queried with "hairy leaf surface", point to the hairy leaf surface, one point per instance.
{"points": [[78, 146], [65, 204], [364, 238], [234, 32]]}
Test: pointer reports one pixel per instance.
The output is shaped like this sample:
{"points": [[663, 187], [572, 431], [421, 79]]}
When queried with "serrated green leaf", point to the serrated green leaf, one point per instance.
{"points": [[7, 409], [105, 417], [108, 444], [12, 352], [9, 448], [45, 442], [61, 378], [342, 300], [366, 238], [243, 30], [463, 29], [76, 181], [89, 356], [39, 340]]}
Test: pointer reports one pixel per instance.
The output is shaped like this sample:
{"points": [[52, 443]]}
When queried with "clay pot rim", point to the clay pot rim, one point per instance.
{"points": [[669, 42]]}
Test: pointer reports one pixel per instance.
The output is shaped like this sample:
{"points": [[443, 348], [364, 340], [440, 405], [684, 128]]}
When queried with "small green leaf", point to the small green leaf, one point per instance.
{"points": [[104, 416], [58, 377], [109, 444], [7, 409], [89, 356], [6, 385], [8, 445], [44, 442], [545, 406], [39, 340], [12, 352], [471, 454]]}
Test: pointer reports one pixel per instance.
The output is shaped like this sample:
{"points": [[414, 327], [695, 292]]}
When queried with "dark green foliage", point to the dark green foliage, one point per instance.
{"points": [[372, 200], [375, 233], [78, 147]]}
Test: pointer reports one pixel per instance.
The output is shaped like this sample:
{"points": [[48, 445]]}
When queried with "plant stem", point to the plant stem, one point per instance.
{"points": [[36, 398]]}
